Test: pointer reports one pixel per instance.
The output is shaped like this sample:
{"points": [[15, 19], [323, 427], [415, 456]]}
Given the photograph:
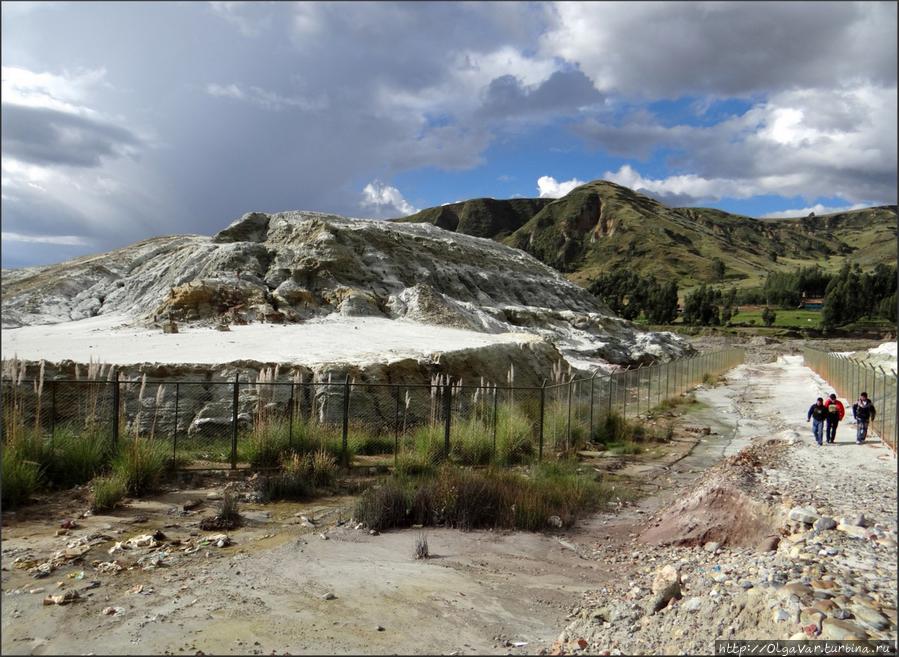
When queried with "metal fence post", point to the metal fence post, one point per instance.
{"points": [[344, 444], [234, 403], [624, 396], [115, 409], [609, 410], [542, 410], [447, 416], [883, 407], [592, 379], [568, 427], [396, 427], [175, 432], [290, 416], [52, 408], [495, 412]]}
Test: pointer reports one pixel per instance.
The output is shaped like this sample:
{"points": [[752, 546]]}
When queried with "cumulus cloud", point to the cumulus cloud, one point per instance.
{"points": [[724, 48], [385, 200], [803, 142], [817, 208], [549, 187]]}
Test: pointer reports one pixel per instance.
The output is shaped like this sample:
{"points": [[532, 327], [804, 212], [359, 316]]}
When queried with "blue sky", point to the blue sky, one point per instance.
{"points": [[122, 121]]}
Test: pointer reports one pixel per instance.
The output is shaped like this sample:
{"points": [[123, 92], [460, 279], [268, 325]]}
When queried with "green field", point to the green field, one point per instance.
{"points": [[784, 319]]}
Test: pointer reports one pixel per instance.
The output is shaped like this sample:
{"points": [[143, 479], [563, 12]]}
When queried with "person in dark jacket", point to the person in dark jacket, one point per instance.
{"points": [[835, 414], [818, 412], [863, 411]]}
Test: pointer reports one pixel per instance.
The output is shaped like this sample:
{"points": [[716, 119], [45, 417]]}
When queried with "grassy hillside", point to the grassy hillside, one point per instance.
{"points": [[482, 217], [601, 226]]}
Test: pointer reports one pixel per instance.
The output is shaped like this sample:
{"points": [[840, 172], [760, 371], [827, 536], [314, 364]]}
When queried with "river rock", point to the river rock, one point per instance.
{"points": [[841, 630], [804, 514], [824, 523], [869, 617]]}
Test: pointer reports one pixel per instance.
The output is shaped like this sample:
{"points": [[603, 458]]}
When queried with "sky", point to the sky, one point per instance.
{"points": [[124, 121]]}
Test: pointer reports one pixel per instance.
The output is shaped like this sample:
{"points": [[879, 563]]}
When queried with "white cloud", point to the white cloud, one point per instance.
{"points": [[385, 200], [697, 50], [264, 98], [63, 93], [818, 209], [549, 187], [803, 142], [688, 186], [59, 240]]}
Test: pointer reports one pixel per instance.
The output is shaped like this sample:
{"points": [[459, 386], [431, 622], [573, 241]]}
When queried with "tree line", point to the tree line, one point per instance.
{"points": [[848, 296]]}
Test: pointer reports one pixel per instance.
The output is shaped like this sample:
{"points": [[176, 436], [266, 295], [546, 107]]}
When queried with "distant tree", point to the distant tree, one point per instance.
{"points": [[726, 314], [768, 316], [718, 269], [701, 307]]}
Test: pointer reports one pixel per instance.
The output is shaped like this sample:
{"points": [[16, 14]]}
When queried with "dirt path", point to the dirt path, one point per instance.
{"points": [[827, 572]]}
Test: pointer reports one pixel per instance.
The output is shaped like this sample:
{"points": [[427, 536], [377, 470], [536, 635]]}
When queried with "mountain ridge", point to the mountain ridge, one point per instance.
{"points": [[600, 226]]}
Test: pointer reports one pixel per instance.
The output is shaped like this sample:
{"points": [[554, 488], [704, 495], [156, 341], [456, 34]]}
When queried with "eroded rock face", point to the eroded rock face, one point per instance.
{"points": [[291, 266]]}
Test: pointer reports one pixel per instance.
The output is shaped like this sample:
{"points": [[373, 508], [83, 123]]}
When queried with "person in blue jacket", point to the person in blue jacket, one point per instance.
{"points": [[818, 413]]}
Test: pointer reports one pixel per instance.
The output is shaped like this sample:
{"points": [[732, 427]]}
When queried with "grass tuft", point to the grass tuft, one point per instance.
{"points": [[108, 491], [21, 477], [141, 464]]}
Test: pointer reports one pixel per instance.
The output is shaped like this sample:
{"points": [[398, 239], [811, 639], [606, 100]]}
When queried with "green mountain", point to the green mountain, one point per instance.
{"points": [[600, 226], [482, 217]]}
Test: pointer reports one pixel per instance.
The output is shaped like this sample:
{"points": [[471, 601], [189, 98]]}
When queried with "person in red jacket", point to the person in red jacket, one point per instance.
{"points": [[835, 413]]}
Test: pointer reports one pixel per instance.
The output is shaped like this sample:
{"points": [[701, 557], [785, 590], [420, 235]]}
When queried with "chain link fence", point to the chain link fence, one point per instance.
{"points": [[850, 376], [239, 423]]}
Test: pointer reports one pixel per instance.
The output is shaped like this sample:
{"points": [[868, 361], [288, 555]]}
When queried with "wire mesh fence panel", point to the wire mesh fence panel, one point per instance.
{"points": [[201, 430], [372, 416], [221, 424], [421, 427]]}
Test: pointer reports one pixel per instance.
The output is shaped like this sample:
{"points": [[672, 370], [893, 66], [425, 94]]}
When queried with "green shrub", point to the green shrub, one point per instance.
{"points": [[626, 447], [107, 492], [21, 477], [361, 441], [612, 428], [266, 444], [384, 506], [140, 463], [412, 463], [322, 469], [78, 456], [301, 477], [459, 497], [471, 442], [515, 438]]}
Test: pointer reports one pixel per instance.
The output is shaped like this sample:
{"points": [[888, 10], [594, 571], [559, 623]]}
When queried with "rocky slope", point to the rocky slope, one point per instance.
{"points": [[601, 226], [293, 266]]}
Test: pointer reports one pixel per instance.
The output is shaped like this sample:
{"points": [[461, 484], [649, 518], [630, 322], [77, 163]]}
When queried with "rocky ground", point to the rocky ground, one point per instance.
{"points": [[784, 539]]}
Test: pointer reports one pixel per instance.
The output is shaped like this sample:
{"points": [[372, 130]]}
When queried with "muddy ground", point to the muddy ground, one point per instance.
{"points": [[302, 579]]}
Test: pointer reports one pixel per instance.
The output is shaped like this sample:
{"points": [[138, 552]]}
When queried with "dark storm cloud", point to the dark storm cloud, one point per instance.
{"points": [[564, 92], [47, 137]]}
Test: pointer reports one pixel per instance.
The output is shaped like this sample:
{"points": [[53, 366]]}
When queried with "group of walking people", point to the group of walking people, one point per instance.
{"points": [[825, 415]]}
